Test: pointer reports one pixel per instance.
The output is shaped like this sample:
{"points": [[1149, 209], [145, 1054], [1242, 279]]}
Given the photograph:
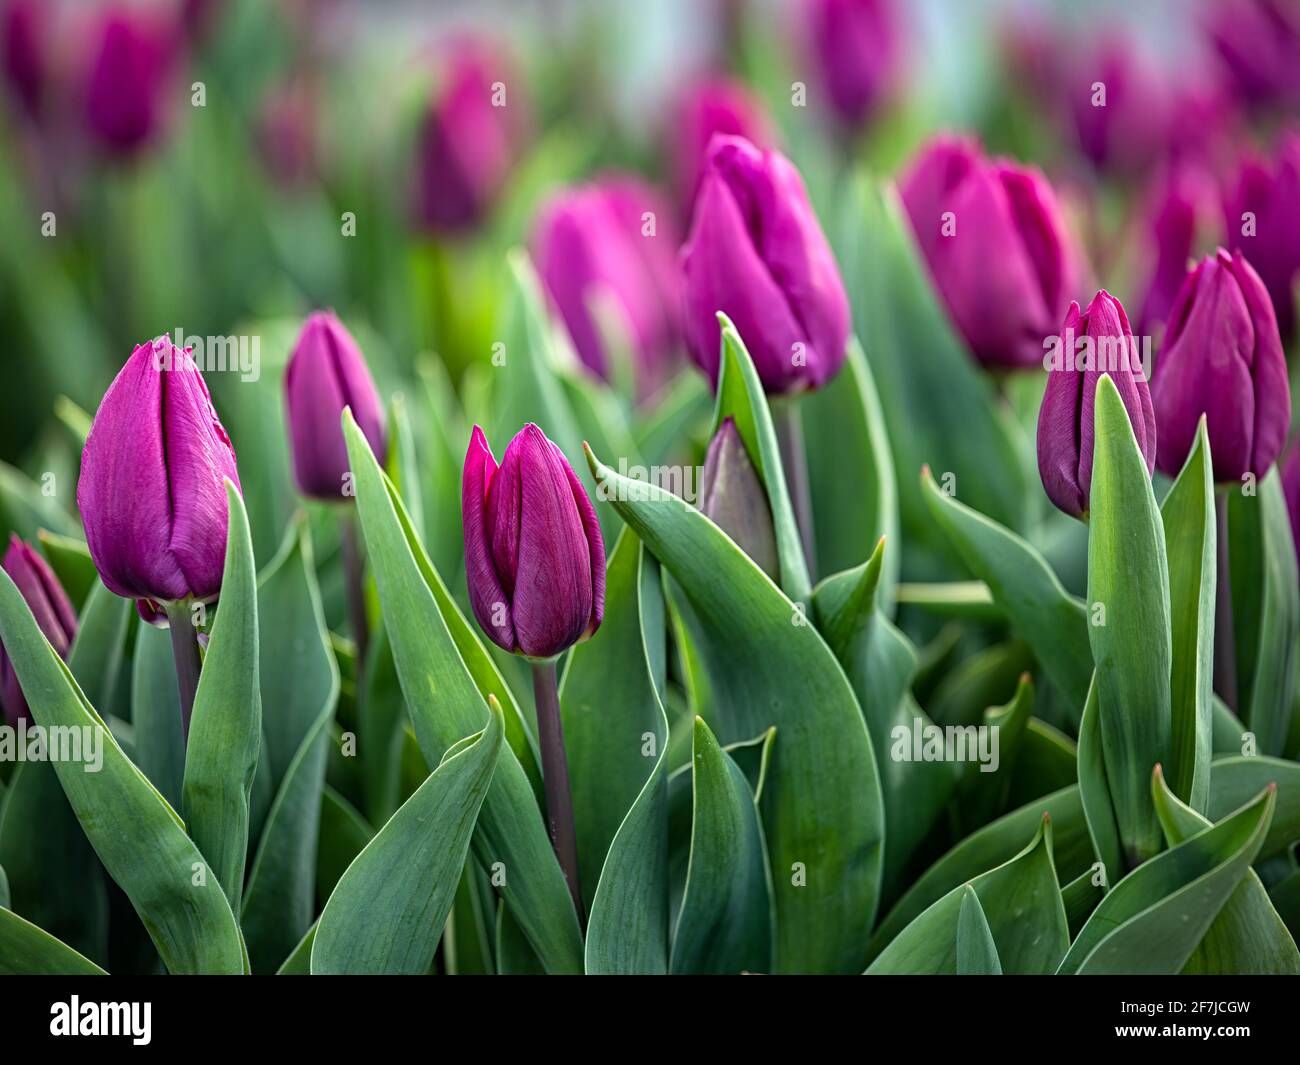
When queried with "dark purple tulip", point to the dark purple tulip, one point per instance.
{"points": [[757, 253], [1222, 357], [467, 144], [534, 556], [857, 47], [996, 242], [130, 88], [1263, 219], [1180, 211], [51, 609], [151, 493], [1258, 42], [1092, 343], [1130, 131], [326, 373], [718, 105], [614, 237], [24, 52]]}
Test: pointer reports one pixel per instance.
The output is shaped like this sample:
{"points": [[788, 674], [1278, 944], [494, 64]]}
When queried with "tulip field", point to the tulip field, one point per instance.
{"points": [[716, 487]]}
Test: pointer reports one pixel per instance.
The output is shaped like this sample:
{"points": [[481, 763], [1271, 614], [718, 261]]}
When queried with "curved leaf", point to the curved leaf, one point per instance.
{"points": [[28, 950], [1094, 793], [977, 954]]}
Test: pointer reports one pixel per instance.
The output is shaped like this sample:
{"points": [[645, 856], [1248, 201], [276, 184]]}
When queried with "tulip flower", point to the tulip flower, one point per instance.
{"points": [[732, 495], [857, 47], [1263, 219], [24, 52], [1178, 214], [715, 106], [535, 566], [757, 253], [1258, 43], [130, 78], [614, 238], [1091, 343], [152, 493], [1120, 104], [1222, 357], [51, 609], [997, 246], [468, 141]]}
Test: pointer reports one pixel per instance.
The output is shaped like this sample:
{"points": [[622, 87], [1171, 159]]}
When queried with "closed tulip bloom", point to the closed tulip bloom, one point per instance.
{"points": [[594, 240], [1120, 103], [151, 494], [534, 556], [757, 253], [1263, 219], [467, 144], [1092, 343], [1222, 357], [857, 47], [1258, 43], [51, 609], [997, 246], [130, 78], [718, 105], [326, 373]]}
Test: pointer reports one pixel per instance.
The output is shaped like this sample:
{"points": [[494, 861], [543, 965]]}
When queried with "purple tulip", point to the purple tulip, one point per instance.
{"points": [[326, 373], [1263, 219], [716, 106], [1119, 102], [130, 83], [997, 246], [614, 238], [24, 52], [1258, 42], [1222, 357], [1179, 213], [757, 253], [51, 609], [1092, 343], [857, 46], [469, 138], [534, 556], [151, 493]]}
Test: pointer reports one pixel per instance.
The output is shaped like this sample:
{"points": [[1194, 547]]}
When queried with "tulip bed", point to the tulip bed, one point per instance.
{"points": [[893, 631]]}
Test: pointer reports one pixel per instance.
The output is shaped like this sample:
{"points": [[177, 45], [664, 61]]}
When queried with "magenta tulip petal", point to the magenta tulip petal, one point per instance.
{"points": [[488, 598], [50, 607]]}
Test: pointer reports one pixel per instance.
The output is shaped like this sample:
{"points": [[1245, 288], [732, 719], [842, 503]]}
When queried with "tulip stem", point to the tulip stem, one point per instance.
{"points": [[354, 584], [555, 777], [789, 436], [1225, 651], [185, 651]]}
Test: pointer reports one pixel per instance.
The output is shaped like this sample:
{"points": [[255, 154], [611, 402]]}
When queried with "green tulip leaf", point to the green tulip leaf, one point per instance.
{"points": [[99, 647], [1094, 792], [1235, 781], [156, 712], [28, 950], [977, 954], [343, 835]]}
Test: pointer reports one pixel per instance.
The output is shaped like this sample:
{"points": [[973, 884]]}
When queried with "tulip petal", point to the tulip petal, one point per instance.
{"points": [[595, 544], [487, 597]]}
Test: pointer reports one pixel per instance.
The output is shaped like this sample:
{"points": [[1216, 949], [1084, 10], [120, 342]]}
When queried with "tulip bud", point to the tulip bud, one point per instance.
{"points": [[325, 374], [732, 495], [997, 246], [757, 253], [1222, 357], [130, 78], [1258, 43], [468, 141], [1120, 103], [1263, 220], [534, 556], [616, 239], [1092, 343], [152, 494], [24, 53], [715, 106], [1178, 213], [51, 609], [857, 46]]}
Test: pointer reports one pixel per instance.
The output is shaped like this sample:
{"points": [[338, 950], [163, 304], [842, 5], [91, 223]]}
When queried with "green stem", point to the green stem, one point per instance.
{"points": [[555, 777], [794, 461], [354, 583], [185, 652], [1225, 651]]}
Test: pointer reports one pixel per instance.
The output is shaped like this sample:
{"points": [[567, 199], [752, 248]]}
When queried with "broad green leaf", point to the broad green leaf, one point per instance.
{"points": [[1022, 584], [442, 679], [977, 954], [985, 787], [1081, 896], [846, 444], [1236, 780], [1094, 793], [956, 599], [156, 712], [1189, 521], [298, 963], [1265, 610], [387, 913], [1128, 579], [381, 719], [726, 922], [95, 657], [280, 903], [28, 950], [440, 430], [138, 837], [762, 664], [741, 398], [344, 833], [1152, 920], [469, 938], [1021, 900], [616, 734], [226, 729], [1247, 936]]}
